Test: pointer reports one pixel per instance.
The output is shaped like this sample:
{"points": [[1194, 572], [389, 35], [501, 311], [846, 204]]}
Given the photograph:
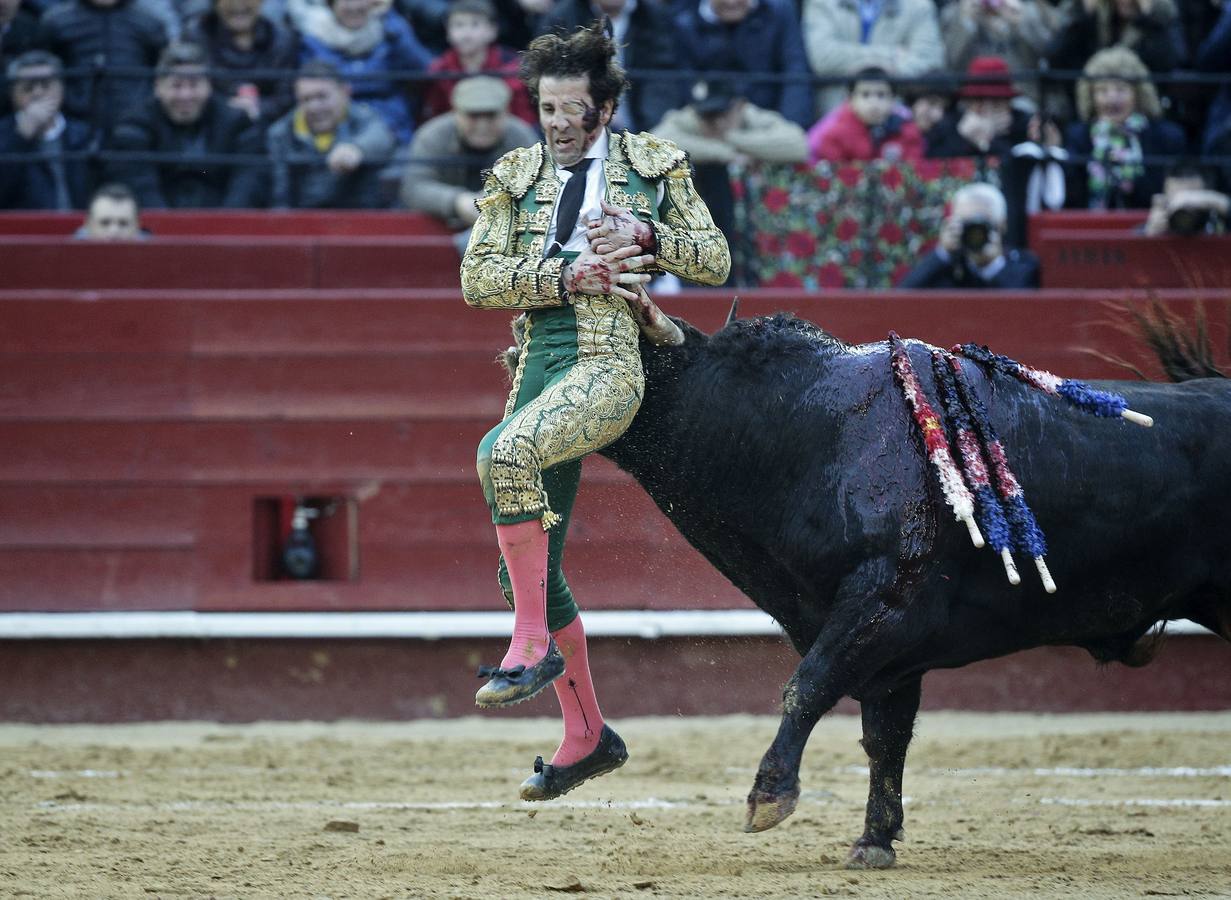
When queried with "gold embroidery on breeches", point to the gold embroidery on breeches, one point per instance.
{"points": [[587, 409]]}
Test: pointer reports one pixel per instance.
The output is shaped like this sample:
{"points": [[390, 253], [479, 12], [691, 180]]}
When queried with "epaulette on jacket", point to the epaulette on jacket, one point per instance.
{"points": [[518, 169], [651, 157]]}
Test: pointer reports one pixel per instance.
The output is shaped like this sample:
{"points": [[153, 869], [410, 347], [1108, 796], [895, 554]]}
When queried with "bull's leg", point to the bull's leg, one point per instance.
{"points": [[888, 724], [837, 663]]}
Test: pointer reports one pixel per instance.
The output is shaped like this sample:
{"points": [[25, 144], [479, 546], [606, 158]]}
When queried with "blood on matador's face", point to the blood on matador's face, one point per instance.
{"points": [[570, 120]]}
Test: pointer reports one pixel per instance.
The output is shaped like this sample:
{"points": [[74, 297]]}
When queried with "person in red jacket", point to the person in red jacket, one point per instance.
{"points": [[471, 27], [867, 125]]}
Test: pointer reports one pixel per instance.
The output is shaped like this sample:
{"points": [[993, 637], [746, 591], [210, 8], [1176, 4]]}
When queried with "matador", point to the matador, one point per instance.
{"points": [[569, 230]]}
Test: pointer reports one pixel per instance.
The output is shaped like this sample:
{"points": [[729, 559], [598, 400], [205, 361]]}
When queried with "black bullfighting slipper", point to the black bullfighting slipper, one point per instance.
{"points": [[508, 687], [549, 782]]}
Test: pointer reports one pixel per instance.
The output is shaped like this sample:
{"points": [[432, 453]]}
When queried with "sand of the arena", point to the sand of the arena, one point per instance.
{"points": [[998, 806]]}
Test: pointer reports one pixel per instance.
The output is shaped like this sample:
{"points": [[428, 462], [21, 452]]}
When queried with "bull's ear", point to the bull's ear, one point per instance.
{"points": [[734, 313]]}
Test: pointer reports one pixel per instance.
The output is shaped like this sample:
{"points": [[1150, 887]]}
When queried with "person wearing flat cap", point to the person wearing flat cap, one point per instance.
{"points": [[448, 154], [720, 127]]}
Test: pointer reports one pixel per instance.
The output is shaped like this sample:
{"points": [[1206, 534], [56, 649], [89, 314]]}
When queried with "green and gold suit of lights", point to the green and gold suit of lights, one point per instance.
{"points": [[579, 380]]}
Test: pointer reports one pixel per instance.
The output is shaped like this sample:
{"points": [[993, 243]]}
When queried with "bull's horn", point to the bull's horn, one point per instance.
{"points": [[734, 313]]}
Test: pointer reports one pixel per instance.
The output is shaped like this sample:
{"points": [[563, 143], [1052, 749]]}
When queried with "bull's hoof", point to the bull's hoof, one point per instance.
{"points": [[870, 856], [766, 810]]}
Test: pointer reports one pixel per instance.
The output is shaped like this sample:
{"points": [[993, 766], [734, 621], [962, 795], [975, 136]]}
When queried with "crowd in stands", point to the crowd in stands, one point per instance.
{"points": [[374, 103]]}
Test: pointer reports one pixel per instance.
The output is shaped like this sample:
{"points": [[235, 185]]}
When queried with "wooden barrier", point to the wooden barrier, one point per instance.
{"points": [[1097, 259], [143, 431], [1080, 220], [247, 222], [230, 263]]}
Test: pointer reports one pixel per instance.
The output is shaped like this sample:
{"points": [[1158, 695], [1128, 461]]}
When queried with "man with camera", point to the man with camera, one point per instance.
{"points": [[1187, 206], [971, 251]]}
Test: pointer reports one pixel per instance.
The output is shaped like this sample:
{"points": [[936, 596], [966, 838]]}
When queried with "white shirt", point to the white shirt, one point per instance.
{"points": [[591, 200]]}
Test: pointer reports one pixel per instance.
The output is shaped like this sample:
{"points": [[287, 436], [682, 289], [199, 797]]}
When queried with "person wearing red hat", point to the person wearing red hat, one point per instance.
{"points": [[985, 122]]}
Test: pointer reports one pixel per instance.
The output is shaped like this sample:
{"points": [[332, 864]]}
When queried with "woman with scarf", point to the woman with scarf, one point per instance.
{"points": [[364, 45], [1118, 151]]}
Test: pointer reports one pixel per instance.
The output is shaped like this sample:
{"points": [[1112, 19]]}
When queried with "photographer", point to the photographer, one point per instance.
{"points": [[1186, 206], [971, 252]]}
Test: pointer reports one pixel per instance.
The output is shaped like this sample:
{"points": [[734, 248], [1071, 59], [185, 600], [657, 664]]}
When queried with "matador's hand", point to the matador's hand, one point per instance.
{"points": [[657, 328], [607, 273], [619, 228]]}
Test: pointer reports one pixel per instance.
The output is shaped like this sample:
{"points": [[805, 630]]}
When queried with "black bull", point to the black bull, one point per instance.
{"points": [[790, 461]]}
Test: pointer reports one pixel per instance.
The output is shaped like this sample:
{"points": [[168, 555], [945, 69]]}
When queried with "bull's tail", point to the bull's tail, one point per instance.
{"points": [[1184, 354]]}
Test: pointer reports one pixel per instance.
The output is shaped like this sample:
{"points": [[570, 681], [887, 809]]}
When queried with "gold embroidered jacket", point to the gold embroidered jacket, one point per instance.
{"points": [[504, 268]]}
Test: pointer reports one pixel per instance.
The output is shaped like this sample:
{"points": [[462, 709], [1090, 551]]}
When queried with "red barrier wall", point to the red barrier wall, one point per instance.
{"points": [[143, 429], [256, 222], [1084, 259], [230, 263]]}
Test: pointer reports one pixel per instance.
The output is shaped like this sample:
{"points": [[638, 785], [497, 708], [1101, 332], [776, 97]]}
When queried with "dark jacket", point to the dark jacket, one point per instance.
{"points": [[1021, 270], [302, 180], [650, 44], [945, 142], [16, 40], [32, 185], [1214, 55], [1160, 138], [1157, 37], [767, 40], [187, 182], [102, 40], [273, 47]]}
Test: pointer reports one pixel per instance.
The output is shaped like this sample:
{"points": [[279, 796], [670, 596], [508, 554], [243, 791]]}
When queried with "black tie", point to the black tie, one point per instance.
{"points": [[570, 205]]}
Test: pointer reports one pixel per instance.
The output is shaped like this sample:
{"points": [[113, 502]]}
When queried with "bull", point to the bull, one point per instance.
{"points": [[789, 460]]}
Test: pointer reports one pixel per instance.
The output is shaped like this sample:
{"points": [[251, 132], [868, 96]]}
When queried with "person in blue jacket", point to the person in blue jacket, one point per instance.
{"points": [[363, 45]]}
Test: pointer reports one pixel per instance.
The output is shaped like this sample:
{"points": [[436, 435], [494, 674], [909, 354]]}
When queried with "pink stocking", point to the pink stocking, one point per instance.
{"points": [[583, 723], [524, 546]]}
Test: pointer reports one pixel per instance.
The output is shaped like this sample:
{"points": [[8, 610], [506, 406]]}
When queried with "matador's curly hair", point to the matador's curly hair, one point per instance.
{"points": [[587, 52]]}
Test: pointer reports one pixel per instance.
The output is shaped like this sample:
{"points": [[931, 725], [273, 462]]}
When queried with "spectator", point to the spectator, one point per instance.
{"points": [[427, 20], [1121, 124], [1149, 28], [477, 133], [719, 128], [113, 216], [327, 152], [985, 122], [185, 122], [1187, 205], [867, 125], [363, 45], [237, 38], [929, 101], [471, 30], [843, 36], [1214, 55], [39, 128], [971, 251], [1219, 146], [645, 40], [17, 29], [109, 38], [1018, 31], [749, 36]]}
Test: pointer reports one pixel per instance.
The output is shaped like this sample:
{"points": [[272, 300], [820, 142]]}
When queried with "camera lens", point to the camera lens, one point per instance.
{"points": [[975, 236], [1187, 222]]}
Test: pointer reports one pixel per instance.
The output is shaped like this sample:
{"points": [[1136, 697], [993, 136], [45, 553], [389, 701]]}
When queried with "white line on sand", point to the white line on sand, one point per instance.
{"points": [[647, 803], [1186, 802]]}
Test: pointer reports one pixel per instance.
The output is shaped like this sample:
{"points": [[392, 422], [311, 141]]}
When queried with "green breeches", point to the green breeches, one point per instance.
{"points": [[578, 385]]}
